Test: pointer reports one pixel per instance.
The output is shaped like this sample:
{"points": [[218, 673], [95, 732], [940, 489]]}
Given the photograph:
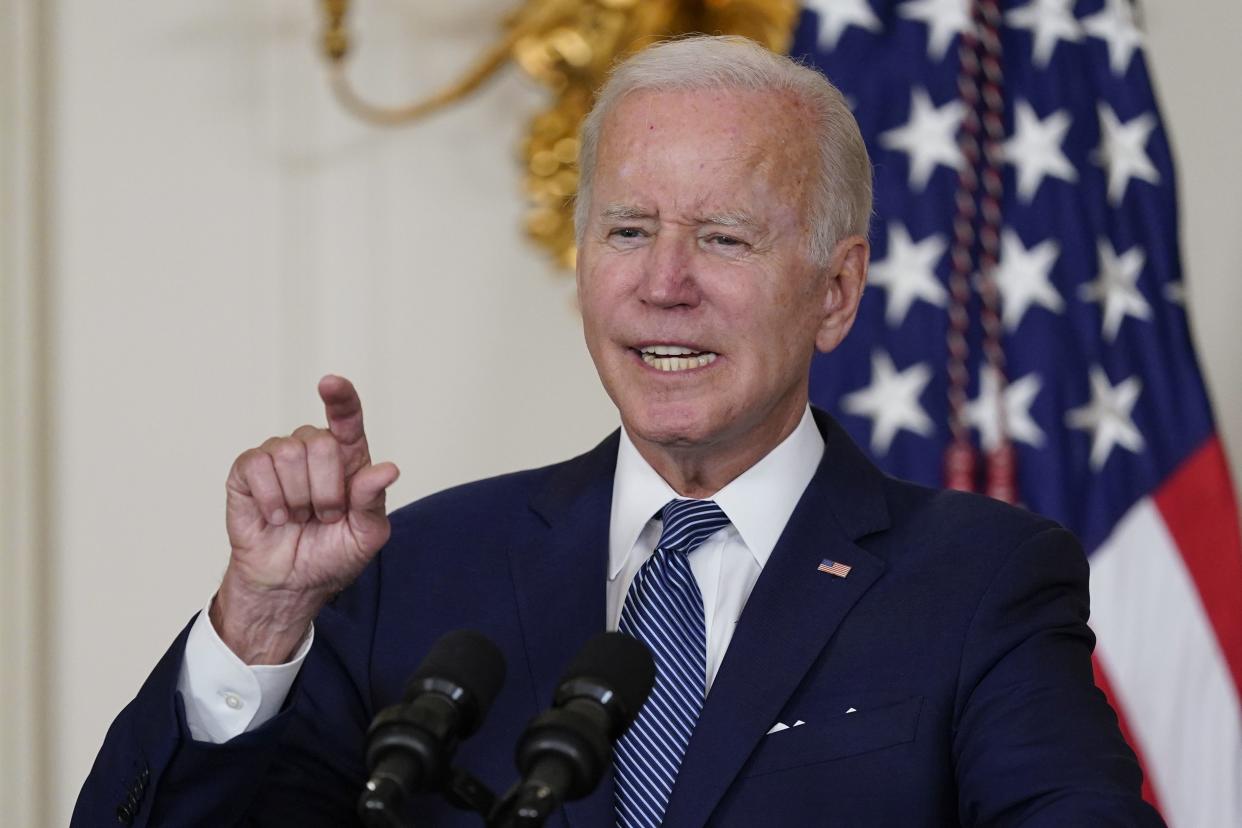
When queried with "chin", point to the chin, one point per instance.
{"points": [[670, 424]]}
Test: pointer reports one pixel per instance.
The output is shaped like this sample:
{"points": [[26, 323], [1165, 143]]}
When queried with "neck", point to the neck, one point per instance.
{"points": [[700, 470]]}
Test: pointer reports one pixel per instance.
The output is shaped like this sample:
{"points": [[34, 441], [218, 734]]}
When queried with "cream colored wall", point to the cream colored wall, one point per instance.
{"points": [[25, 638], [223, 235], [1194, 58]]}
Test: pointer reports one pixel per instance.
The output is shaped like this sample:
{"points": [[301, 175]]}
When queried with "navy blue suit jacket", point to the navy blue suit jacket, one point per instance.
{"points": [[959, 639]]}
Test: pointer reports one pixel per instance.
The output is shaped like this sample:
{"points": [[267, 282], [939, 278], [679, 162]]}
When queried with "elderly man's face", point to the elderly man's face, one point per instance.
{"points": [[701, 306]]}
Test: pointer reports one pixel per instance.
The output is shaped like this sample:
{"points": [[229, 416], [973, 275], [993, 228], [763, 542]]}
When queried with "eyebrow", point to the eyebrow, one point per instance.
{"points": [[624, 212], [730, 218]]}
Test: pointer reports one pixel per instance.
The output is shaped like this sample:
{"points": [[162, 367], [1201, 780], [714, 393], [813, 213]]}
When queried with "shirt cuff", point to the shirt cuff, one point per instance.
{"points": [[224, 697]]}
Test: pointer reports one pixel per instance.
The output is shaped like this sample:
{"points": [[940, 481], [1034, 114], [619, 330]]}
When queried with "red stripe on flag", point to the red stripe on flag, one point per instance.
{"points": [[1101, 681], [1197, 504]]}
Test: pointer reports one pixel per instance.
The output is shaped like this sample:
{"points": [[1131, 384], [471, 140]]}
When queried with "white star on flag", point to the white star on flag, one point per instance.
{"points": [[1107, 416], [929, 137], [891, 401], [835, 16], [1122, 151], [1049, 21], [945, 20], [1116, 287], [1023, 277], [908, 272], [983, 412], [1035, 149], [1175, 292], [1115, 24]]}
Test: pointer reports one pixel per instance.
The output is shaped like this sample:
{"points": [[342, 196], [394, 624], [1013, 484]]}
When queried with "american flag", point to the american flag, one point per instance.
{"points": [[834, 568], [1022, 140]]}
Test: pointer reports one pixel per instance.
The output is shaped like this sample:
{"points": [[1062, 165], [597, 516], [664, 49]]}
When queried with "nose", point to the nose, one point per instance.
{"points": [[669, 280]]}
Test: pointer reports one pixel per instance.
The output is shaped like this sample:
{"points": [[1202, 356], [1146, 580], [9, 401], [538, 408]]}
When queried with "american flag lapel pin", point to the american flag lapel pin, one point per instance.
{"points": [[834, 568]]}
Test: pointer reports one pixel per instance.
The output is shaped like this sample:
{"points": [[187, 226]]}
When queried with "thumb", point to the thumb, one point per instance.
{"points": [[367, 488], [367, 518]]}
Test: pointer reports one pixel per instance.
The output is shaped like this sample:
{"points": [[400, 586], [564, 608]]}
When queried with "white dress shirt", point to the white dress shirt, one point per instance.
{"points": [[758, 503], [224, 697]]}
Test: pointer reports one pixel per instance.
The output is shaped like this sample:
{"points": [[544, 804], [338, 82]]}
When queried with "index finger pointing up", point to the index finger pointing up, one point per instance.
{"points": [[344, 413]]}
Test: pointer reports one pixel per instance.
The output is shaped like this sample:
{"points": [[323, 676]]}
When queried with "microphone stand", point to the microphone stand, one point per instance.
{"points": [[461, 789], [467, 792], [523, 806]]}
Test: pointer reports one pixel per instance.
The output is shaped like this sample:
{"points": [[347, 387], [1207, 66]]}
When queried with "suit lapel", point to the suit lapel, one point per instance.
{"points": [[790, 616], [560, 579]]}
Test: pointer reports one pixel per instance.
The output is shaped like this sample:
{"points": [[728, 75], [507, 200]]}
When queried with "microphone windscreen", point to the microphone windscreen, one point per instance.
{"points": [[468, 659], [618, 662]]}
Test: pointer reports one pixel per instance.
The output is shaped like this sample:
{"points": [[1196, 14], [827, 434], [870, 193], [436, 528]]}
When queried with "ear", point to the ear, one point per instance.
{"points": [[847, 275]]}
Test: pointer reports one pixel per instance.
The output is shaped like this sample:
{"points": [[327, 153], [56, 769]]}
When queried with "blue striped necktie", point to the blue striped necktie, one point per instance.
{"points": [[664, 610]]}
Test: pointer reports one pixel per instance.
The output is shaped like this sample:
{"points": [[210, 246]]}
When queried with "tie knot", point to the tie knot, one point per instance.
{"points": [[687, 523]]}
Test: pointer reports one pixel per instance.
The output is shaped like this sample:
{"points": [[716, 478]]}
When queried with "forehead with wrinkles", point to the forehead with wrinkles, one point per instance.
{"points": [[707, 151]]}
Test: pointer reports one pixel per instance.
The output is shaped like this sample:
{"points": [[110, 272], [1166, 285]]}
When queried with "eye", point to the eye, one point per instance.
{"points": [[626, 233], [726, 245]]}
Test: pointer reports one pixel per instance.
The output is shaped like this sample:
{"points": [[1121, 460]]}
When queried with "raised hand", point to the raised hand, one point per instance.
{"points": [[305, 514]]}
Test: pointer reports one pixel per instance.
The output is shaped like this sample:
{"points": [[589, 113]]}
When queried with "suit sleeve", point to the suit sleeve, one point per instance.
{"points": [[1036, 743], [304, 767]]}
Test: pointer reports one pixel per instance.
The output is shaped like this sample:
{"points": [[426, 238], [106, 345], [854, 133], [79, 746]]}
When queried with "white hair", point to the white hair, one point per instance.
{"points": [[841, 197]]}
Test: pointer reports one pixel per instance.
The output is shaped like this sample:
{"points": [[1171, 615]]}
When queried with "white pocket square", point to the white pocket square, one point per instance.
{"points": [[779, 726]]}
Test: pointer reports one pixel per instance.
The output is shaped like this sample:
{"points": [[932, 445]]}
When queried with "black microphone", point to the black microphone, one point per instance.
{"points": [[410, 745], [565, 750]]}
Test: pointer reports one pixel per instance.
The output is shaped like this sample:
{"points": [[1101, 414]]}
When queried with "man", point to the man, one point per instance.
{"points": [[845, 648]]}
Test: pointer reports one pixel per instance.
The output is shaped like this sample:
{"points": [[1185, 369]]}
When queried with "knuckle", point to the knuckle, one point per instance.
{"points": [[323, 445], [287, 450], [252, 462], [305, 431]]}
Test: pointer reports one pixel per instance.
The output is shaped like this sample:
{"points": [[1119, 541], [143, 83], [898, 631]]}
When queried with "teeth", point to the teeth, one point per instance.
{"points": [[676, 363], [668, 350]]}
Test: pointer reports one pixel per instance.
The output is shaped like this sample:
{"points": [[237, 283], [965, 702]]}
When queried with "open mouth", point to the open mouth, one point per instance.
{"points": [[675, 357]]}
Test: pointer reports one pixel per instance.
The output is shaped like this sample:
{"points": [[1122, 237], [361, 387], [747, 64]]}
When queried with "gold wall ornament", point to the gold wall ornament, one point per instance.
{"points": [[568, 46]]}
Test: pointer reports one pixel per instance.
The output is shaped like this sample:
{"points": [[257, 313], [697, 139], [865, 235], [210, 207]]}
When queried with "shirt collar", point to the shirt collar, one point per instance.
{"points": [[759, 501]]}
